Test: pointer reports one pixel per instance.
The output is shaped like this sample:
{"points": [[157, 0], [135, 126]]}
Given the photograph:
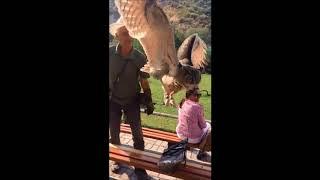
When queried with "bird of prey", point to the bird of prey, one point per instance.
{"points": [[191, 55], [147, 22]]}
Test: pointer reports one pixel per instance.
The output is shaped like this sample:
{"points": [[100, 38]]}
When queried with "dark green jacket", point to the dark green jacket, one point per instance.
{"points": [[124, 91]]}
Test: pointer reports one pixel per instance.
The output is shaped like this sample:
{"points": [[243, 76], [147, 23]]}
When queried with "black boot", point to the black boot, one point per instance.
{"points": [[141, 174], [116, 168], [204, 156]]}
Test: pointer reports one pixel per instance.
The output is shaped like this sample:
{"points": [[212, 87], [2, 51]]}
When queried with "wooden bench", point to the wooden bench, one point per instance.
{"points": [[148, 160], [171, 138]]}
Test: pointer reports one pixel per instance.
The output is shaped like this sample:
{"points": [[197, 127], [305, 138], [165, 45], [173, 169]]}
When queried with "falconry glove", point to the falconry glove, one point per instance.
{"points": [[149, 103]]}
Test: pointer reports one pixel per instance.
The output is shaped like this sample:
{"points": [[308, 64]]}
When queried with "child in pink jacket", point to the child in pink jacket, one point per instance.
{"points": [[191, 121]]}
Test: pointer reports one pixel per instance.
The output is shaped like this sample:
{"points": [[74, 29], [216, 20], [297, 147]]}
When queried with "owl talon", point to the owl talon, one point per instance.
{"points": [[166, 103], [172, 103], [145, 69], [166, 100]]}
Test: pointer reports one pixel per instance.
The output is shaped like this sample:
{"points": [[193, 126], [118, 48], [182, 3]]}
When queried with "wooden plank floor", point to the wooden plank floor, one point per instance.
{"points": [[152, 145]]}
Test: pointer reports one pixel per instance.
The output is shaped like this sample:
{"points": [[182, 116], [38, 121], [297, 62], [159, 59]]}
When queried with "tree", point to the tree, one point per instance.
{"points": [[202, 32], [208, 67], [178, 38]]}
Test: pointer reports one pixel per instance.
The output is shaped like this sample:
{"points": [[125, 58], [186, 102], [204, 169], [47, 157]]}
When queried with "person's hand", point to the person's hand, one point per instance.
{"points": [[149, 103], [150, 108]]}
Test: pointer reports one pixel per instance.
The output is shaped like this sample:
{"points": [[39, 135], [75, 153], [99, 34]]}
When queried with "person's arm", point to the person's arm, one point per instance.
{"points": [[143, 76], [144, 83], [202, 121], [147, 91]]}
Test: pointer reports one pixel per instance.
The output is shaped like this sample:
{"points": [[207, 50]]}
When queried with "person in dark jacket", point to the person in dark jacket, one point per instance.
{"points": [[125, 76]]}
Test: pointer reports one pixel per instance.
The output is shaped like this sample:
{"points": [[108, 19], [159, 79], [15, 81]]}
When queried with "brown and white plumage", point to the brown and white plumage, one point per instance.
{"points": [[192, 52], [147, 22], [192, 57]]}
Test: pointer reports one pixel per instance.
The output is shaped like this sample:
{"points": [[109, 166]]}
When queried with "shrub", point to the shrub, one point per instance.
{"points": [[137, 45], [203, 17], [193, 15], [182, 12]]}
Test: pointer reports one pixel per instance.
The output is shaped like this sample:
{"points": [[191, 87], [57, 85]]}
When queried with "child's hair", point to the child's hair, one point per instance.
{"points": [[181, 102], [188, 94]]}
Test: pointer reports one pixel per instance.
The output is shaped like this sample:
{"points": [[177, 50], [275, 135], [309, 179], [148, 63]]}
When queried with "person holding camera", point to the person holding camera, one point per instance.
{"points": [[125, 79]]}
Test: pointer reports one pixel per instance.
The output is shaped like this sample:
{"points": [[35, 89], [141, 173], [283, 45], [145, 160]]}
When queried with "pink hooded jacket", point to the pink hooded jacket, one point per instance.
{"points": [[191, 122]]}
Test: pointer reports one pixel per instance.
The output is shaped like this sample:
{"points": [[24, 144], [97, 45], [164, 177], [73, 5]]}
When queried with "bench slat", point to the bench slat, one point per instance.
{"points": [[132, 162], [139, 159], [159, 136], [152, 130], [153, 135], [202, 165], [151, 167], [163, 136]]}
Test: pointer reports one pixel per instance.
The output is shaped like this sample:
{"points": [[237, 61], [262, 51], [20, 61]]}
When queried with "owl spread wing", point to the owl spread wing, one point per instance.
{"points": [[147, 22], [193, 52]]}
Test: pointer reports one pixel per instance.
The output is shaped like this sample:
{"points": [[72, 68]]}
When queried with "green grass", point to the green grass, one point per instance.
{"points": [[157, 96], [169, 124], [159, 122]]}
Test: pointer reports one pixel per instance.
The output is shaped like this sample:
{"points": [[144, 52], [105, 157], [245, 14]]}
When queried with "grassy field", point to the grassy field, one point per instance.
{"points": [[169, 124]]}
